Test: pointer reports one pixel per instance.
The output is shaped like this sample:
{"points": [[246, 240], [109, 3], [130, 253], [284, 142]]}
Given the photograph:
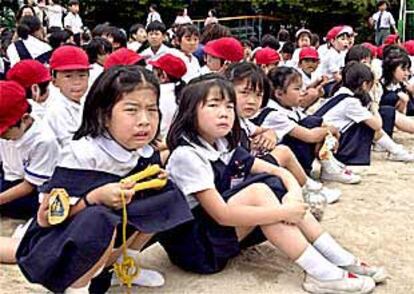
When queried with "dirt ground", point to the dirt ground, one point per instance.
{"points": [[374, 219]]}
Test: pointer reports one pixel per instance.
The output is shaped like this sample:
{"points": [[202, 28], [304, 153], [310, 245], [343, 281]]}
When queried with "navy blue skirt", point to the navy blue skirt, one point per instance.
{"points": [[57, 256], [391, 98], [203, 246], [388, 118]]}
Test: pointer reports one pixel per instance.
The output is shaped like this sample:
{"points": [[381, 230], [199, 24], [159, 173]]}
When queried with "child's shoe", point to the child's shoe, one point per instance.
{"points": [[331, 195], [401, 155], [333, 172], [349, 284], [378, 274], [146, 278]]}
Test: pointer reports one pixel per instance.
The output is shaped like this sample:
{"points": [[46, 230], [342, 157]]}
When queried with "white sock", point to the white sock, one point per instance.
{"points": [[312, 185], [388, 144], [318, 266], [82, 290], [334, 252]]}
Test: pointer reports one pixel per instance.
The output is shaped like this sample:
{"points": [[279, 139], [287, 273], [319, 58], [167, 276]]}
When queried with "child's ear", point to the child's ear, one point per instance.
{"points": [[278, 92], [35, 91], [26, 118]]}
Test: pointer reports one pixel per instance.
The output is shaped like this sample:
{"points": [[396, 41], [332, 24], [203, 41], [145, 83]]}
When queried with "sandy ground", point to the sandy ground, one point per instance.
{"points": [[373, 219]]}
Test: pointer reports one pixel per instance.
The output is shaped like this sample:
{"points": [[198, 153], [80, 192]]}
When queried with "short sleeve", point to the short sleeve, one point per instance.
{"points": [[280, 123], [189, 171], [356, 112], [391, 18]]}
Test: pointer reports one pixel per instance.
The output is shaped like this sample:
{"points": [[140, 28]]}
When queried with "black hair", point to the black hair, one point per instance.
{"points": [[59, 37], [98, 46], [153, 6], [213, 12], [282, 76], [28, 26], [237, 72], [394, 49], [214, 31], [382, 2], [194, 94], [42, 87], [392, 60], [357, 53], [156, 26], [106, 91], [288, 47], [283, 35], [100, 29], [134, 29], [269, 40], [354, 74], [315, 40], [19, 13], [255, 41], [186, 30], [118, 36], [73, 2]]}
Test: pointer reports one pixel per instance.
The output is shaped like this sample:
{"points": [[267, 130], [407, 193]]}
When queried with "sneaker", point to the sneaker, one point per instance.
{"points": [[378, 148], [401, 155], [345, 176], [331, 195], [378, 274], [145, 278], [349, 284]]}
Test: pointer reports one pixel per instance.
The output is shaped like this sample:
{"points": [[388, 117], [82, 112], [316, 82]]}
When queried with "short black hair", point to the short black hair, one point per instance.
{"points": [[357, 53], [156, 26], [97, 46], [28, 26], [269, 40], [118, 36], [288, 47], [186, 29], [59, 37], [73, 2], [134, 28]]}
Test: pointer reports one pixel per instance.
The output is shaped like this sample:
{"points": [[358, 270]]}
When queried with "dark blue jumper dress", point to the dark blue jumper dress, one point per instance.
{"points": [[202, 245], [25, 54], [390, 98], [57, 256]]}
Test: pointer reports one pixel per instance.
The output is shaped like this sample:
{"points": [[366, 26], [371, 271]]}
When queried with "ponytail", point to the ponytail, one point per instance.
{"points": [[28, 26]]}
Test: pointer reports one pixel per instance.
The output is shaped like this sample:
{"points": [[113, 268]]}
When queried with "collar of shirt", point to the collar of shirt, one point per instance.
{"points": [[343, 90], [166, 90], [393, 87], [116, 151], [210, 153], [29, 136]]}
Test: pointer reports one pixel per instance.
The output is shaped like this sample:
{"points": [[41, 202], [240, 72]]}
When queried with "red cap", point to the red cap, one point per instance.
{"points": [[391, 39], [226, 48], [122, 56], [172, 65], [308, 52], [337, 31], [266, 56], [409, 46], [29, 72], [69, 58], [372, 48], [13, 104], [380, 50]]}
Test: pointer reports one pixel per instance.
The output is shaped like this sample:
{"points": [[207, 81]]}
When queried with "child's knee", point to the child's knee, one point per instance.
{"points": [[283, 154]]}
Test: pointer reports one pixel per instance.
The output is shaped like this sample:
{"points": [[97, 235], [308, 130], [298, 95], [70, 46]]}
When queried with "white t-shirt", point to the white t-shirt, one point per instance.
{"points": [[387, 20], [148, 54], [332, 62], [35, 47], [168, 106], [192, 64], [153, 16], [347, 112], [39, 152], [190, 168], [94, 72], [73, 22], [55, 14], [182, 19], [134, 45], [11, 161]]}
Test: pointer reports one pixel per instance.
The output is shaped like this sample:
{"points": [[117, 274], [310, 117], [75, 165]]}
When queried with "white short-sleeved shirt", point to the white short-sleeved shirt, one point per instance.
{"points": [[134, 46], [39, 152], [182, 19], [153, 16], [190, 168], [247, 126], [148, 54], [347, 112], [332, 62], [55, 15], [11, 162], [35, 47], [283, 120], [64, 117], [38, 109], [94, 72], [168, 106], [73, 22], [192, 64], [387, 20]]}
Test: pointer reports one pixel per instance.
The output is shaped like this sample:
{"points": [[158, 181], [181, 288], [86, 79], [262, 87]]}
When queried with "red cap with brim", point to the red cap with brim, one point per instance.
{"points": [[172, 65], [69, 58], [226, 48], [266, 56], [13, 104], [308, 53], [122, 56], [29, 72]]}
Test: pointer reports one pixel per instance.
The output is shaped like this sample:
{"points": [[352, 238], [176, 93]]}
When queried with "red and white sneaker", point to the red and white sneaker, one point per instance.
{"points": [[350, 283], [378, 274]]}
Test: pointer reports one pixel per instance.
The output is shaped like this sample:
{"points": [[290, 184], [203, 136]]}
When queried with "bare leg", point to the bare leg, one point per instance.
{"points": [[8, 249], [401, 106], [139, 241], [404, 123], [287, 159]]}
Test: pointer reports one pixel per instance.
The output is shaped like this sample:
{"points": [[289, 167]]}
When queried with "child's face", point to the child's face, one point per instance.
{"points": [[401, 74], [215, 118], [293, 94], [155, 38], [134, 119], [16, 132], [268, 67], [72, 83], [341, 43], [249, 101], [308, 65], [141, 35], [189, 43], [304, 41], [27, 12], [74, 8], [213, 63]]}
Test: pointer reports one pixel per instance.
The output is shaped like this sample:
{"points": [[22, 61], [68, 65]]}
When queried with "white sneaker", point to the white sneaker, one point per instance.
{"points": [[349, 284], [331, 195], [378, 274], [345, 176], [401, 155], [378, 148], [146, 278]]}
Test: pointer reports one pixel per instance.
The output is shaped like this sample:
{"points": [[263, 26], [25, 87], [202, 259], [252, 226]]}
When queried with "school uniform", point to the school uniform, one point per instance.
{"points": [[94, 73], [383, 21], [202, 245], [390, 97], [148, 54], [134, 45], [59, 255], [168, 106], [31, 48], [346, 113], [74, 23], [332, 62], [191, 63], [55, 14], [64, 117]]}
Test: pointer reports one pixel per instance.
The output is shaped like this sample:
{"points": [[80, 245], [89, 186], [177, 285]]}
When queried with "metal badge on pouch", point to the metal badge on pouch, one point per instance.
{"points": [[59, 206]]}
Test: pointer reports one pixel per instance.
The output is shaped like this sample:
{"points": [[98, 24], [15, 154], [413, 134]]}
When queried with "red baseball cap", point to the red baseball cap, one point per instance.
{"points": [[172, 65], [226, 48], [13, 104], [380, 50], [372, 48], [266, 56], [391, 39], [29, 72], [122, 56], [335, 32], [308, 52], [409, 46], [69, 58]]}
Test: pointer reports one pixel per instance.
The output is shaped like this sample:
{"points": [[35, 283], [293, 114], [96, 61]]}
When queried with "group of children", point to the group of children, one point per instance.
{"points": [[239, 132]]}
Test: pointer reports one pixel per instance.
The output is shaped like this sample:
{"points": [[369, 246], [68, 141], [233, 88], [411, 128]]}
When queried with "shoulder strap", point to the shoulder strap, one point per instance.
{"points": [[258, 120], [22, 50], [329, 104], [44, 58]]}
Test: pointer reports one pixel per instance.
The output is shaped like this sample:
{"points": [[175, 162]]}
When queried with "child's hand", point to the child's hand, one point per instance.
{"points": [[291, 197], [403, 97], [265, 141], [43, 211], [294, 212], [110, 194]]}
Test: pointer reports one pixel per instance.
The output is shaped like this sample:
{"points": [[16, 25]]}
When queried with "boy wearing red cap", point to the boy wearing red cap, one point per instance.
{"points": [[36, 148], [70, 71], [267, 58]]}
